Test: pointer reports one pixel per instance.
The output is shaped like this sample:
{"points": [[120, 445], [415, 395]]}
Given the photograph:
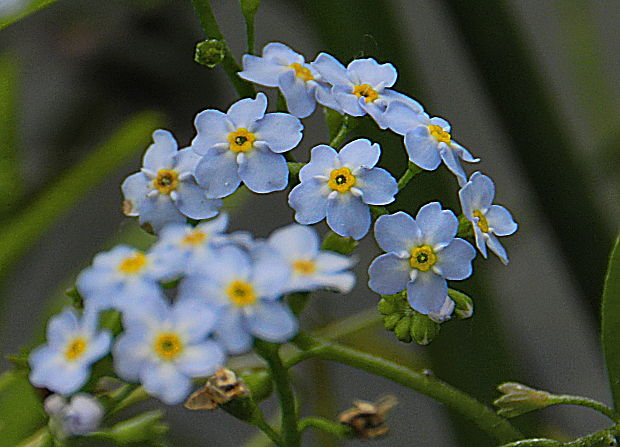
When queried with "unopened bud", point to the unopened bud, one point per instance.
{"points": [[339, 244], [464, 305], [210, 52], [368, 418], [402, 329], [423, 329], [146, 428], [518, 399]]}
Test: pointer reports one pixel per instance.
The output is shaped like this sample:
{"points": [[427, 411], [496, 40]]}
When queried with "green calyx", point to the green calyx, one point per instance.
{"points": [[210, 52], [406, 323]]}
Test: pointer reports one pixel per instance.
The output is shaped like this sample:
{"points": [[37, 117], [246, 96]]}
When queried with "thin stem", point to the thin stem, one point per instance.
{"points": [[538, 442], [565, 399], [607, 437], [282, 382], [262, 425], [343, 131], [481, 415], [411, 172], [211, 29], [334, 428]]}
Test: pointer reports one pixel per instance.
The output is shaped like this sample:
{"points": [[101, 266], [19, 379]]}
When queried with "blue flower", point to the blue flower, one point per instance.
{"points": [[488, 220], [363, 87], [311, 267], [164, 347], [298, 81], [82, 415], [120, 277], [244, 289], [341, 185], [244, 144], [421, 255], [165, 191], [73, 345], [428, 140]]}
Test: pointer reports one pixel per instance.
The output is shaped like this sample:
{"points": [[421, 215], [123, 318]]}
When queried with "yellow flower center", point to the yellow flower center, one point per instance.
{"points": [[168, 346], [302, 72], [194, 237], [241, 140], [133, 264], [440, 135], [241, 293], [423, 258], [483, 224], [366, 91], [304, 267], [341, 180], [75, 349], [166, 181]]}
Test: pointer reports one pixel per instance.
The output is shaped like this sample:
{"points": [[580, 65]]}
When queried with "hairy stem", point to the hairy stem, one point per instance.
{"points": [[334, 428], [565, 399], [411, 172], [343, 131]]}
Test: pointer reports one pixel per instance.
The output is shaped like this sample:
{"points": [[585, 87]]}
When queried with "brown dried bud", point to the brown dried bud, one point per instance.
{"points": [[220, 388], [368, 418]]}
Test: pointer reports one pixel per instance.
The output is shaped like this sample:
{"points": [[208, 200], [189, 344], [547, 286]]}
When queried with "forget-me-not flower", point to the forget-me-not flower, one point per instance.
{"points": [[340, 186], [428, 140], [363, 87], [73, 344], [244, 144], [165, 190], [244, 288], [488, 220], [82, 415], [298, 81], [312, 268], [164, 347], [421, 255]]}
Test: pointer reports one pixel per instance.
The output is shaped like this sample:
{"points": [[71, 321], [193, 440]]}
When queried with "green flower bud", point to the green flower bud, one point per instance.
{"points": [[464, 305], [339, 244], [386, 306], [390, 321], [210, 52], [518, 399], [402, 329], [77, 300], [259, 383], [145, 428], [423, 329]]}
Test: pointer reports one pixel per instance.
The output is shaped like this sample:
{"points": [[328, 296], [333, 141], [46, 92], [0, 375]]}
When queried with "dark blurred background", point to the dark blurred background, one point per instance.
{"points": [[530, 87]]}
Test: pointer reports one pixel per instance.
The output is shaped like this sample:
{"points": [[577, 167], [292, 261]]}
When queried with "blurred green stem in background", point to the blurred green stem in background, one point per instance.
{"points": [[25, 12]]}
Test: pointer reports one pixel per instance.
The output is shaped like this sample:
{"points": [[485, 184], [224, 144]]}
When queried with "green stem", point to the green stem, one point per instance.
{"points": [[211, 29], [343, 131], [263, 426], [334, 428], [411, 172], [279, 374], [538, 442], [565, 399], [607, 437], [478, 413]]}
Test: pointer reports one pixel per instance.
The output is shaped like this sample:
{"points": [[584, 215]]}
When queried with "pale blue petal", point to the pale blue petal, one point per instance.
{"points": [[376, 110], [347, 100], [378, 185], [262, 171], [186, 160], [340, 282], [194, 319], [328, 262], [348, 216], [281, 54], [388, 274], [160, 154], [496, 247], [422, 148], [324, 96], [201, 360], [232, 262], [234, 333], [368, 71], [206, 289], [295, 241], [468, 200], [270, 273], [92, 284], [217, 173], [260, 70], [298, 93], [159, 211], [148, 314], [281, 131], [480, 240], [397, 232], [192, 201], [62, 327], [331, 69], [97, 347], [500, 221], [309, 204], [453, 163], [401, 118], [273, 322], [438, 226], [463, 153], [454, 261], [360, 153], [427, 293], [441, 123], [215, 226], [42, 362], [390, 96], [245, 112], [482, 192], [323, 159], [165, 382], [135, 188], [213, 128], [67, 378]]}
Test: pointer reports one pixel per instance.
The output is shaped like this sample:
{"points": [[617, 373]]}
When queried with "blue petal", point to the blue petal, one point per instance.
{"points": [[481, 192], [217, 172], [61, 327], [378, 186], [463, 153], [496, 247], [360, 153], [376, 110], [232, 262], [453, 163], [234, 333], [422, 148], [271, 273], [245, 112], [348, 216], [427, 293], [500, 221], [201, 360], [329, 262], [295, 241], [368, 71], [324, 96], [160, 154], [281, 131], [194, 319], [159, 211], [97, 347], [186, 160], [281, 54], [135, 188], [480, 240], [438, 226], [192, 201], [397, 232], [197, 286], [213, 128], [437, 121], [260, 70], [263, 171], [389, 96], [323, 159], [273, 322], [454, 261], [67, 378], [340, 282], [298, 93], [165, 382], [388, 274], [347, 100], [401, 118], [309, 203], [331, 69]]}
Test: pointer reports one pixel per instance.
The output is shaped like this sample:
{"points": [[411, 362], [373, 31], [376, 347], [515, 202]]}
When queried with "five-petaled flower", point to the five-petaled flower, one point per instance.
{"points": [[340, 186], [165, 190], [244, 144], [421, 255], [488, 220]]}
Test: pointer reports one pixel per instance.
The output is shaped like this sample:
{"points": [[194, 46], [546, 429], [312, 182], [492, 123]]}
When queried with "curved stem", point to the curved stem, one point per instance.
{"points": [[411, 172], [334, 428], [263, 426], [538, 442], [478, 413], [607, 437], [565, 399], [343, 131]]}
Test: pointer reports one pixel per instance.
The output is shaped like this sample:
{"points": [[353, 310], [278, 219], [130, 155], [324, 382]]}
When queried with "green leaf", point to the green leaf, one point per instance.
{"points": [[21, 411], [249, 8], [611, 323], [24, 12]]}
